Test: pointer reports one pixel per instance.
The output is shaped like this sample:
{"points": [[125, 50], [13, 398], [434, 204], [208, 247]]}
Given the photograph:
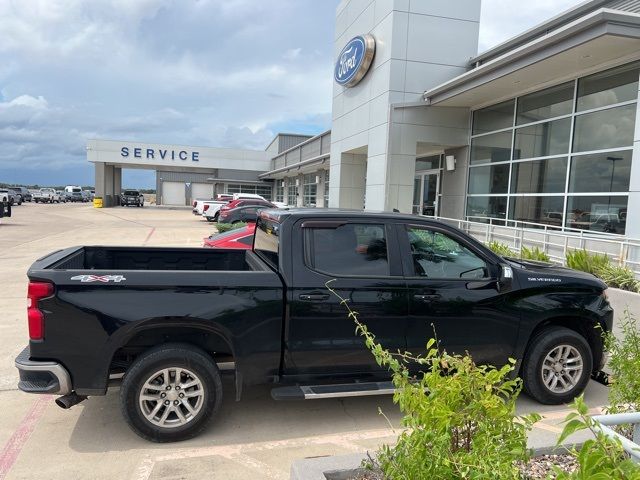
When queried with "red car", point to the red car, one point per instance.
{"points": [[240, 238]]}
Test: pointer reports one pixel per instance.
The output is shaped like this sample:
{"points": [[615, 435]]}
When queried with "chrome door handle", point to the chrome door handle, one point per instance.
{"points": [[314, 297], [426, 298]]}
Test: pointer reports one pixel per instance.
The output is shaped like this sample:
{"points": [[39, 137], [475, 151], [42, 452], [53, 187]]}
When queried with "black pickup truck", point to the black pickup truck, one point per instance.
{"points": [[170, 320]]}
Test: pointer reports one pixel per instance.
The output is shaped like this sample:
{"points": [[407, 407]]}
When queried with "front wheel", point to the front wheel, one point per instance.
{"points": [[171, 393], [557, 366]]}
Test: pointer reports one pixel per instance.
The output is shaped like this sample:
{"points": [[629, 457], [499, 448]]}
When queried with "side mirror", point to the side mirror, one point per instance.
{"points": [[506, 276]]}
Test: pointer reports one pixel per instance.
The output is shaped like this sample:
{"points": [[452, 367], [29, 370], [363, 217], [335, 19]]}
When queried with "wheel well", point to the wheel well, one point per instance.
{"points": [[213, 344], [583, 326]]}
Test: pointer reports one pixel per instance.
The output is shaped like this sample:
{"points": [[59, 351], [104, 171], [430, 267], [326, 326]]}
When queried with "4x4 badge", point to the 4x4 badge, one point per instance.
{"points": [[99, 278]]}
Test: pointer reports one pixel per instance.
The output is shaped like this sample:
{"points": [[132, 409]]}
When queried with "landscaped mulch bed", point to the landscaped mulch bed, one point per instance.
{"points": [[537, 468]]}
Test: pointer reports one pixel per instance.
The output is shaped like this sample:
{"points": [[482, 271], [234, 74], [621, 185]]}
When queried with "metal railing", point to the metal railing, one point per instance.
{"points": [[631, 447], [551, 239]]}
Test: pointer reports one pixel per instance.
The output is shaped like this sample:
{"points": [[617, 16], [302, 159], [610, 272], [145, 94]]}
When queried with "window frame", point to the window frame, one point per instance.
{"points": [[402, 230], [393, 261]]}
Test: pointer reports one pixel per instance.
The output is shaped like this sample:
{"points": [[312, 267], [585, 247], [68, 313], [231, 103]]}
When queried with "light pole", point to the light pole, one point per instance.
{"points": [[613, 161]]}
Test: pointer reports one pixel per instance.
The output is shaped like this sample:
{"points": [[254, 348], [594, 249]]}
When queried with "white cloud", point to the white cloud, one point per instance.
{"points": [[502, 19]]}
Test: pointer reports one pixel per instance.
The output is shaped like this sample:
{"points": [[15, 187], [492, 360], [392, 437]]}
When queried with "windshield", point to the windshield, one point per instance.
{"points": [[131, 192]]}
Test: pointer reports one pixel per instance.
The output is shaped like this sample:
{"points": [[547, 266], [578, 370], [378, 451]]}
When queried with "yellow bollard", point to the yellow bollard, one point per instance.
{"points": [[97, 202]]}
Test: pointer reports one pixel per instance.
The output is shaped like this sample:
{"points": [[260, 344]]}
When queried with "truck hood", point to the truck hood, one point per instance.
{"points": [[532, 273]]}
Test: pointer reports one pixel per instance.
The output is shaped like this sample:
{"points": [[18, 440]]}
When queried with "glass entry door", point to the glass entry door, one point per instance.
{"points": [[425, 193]]}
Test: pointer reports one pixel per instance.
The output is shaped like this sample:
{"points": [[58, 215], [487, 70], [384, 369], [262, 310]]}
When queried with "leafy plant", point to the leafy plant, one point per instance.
{"points": [[501, 249], [586, 262], [619, 277], [534, 253], [225, 227], [624, 364], [460, 417], [600, 458]]}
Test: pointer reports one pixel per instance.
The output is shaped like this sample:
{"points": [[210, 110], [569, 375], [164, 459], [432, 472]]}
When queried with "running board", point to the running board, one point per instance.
{"points": [[315, 392]]}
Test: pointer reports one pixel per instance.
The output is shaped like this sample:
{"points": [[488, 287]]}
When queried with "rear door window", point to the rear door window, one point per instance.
{"points": [[348, 250]]}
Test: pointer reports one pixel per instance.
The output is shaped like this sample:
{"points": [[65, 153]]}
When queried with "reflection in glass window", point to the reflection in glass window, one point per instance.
{"points": [[543, 139], [489, 179], [351, 249], [607, 88], [601, 172], [495, 117], [547, 103], [544, 210], [598, 214], [436, 255], [539, 176], [491, 148], [483, 208], [609, 128]]}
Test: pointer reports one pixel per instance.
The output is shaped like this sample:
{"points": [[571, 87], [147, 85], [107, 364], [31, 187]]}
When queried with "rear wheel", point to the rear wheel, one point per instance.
{"points": [[171, 393], [557, 366]]}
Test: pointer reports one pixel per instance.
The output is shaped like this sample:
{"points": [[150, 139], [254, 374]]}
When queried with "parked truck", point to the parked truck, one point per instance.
{"points": [[5, 203], [171, 321], [46, 195]]}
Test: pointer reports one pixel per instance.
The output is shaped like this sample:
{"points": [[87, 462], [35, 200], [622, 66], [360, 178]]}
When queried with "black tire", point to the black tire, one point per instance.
{"points": [[174, 355], [209, 219], [532, 367]]}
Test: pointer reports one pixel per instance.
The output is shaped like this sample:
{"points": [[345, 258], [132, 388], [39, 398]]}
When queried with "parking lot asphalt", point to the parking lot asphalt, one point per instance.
{"points": [[254, 438]]}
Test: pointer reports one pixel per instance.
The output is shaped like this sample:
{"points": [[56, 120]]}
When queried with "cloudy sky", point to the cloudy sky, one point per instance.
{"points": [[227, 73]]}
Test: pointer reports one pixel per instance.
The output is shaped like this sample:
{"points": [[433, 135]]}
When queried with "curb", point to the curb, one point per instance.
{"points": [[344, 467]]}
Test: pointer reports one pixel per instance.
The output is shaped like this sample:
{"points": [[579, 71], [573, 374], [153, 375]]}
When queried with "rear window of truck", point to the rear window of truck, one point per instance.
{"points": [[267, 241]]}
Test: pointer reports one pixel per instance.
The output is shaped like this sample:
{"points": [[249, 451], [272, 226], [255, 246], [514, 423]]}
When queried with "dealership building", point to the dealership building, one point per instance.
{"points": [[542, 128]]}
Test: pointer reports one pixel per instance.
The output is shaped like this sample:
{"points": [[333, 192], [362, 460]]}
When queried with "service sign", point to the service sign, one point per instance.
{"points": [[354, 60]]}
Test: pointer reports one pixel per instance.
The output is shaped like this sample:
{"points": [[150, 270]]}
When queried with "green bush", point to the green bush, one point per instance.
{"points": [[464, 427], [501, 249], [586, 262], [225, 227], [624, 364], [599, 457], [534, 253], [619, 277]]}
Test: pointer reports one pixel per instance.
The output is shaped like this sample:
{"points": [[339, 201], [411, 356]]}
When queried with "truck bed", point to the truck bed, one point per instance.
{"points": [[150, 258]]}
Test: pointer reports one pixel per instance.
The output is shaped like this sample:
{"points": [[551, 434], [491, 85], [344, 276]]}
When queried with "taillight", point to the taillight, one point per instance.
{"points": [[35, 292], [206, 207]]}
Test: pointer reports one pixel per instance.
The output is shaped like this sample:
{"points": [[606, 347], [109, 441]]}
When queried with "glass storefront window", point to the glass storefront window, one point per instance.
{"points": [[543, 139], [428, 163], [495, 117], [326, 189], [548, 103], [279, 191], [607, 88], [543, 210], [601, 172], [491, 148], [489, 179], [292, 192], [484, 208], [597, 213], [309, 191], [539, 176], [604, 129], [263, 190]]}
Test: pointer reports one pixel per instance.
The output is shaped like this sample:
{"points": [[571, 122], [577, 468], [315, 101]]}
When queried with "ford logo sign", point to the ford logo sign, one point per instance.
{"points": [[354, 60]]}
